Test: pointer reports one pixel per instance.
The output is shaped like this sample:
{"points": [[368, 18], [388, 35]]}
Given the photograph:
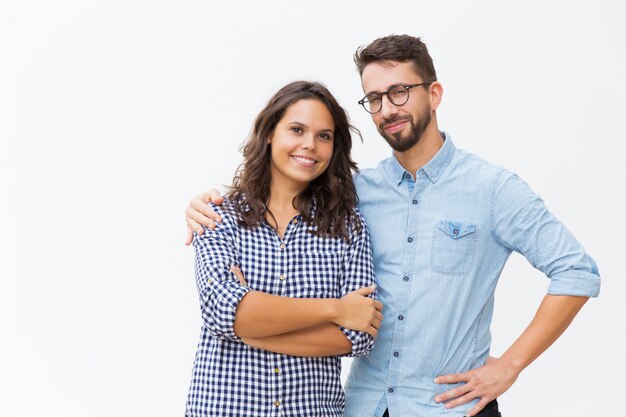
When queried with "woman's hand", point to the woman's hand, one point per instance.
{"points": [[357, 311], [235, 270]]}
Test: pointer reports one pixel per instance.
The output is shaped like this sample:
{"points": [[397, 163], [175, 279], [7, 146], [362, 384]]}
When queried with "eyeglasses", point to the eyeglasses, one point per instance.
{"points": [[397, 95]]}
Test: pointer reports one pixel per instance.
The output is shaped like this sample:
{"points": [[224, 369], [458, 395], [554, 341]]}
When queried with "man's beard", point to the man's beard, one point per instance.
{"points": [[399, 143]]}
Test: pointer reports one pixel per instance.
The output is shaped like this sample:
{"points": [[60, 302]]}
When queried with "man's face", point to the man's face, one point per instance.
{"points": [[401, 126]]}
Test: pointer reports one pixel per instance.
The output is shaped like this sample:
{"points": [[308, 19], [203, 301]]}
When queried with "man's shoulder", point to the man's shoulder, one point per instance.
{"points": [[480, 168], [471, 160], [369, 175]]}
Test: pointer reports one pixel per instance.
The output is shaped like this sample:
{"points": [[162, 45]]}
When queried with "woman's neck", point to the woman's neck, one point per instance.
{"points": [[281, 206], [281, 201]]}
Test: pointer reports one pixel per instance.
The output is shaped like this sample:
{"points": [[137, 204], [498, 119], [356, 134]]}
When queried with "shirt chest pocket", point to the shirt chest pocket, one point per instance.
{"points": [[454, 247], [320, 273]]}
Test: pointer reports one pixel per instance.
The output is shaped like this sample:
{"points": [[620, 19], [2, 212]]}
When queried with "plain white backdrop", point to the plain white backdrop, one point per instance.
{"points": [[113, 114]]}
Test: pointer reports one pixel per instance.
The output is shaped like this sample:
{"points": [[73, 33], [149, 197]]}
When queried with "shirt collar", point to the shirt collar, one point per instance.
{"points": [[433, 169]]}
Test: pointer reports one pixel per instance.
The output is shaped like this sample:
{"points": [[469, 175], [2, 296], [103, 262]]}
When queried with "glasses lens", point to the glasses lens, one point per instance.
{"points": [[372, 103], [398, 95]]}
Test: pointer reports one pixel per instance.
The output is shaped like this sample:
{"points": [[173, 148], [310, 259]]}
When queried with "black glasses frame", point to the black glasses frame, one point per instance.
{"points": [[363, 102]]}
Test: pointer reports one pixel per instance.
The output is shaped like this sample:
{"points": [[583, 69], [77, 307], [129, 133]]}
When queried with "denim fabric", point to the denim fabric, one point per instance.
{"points": [[440, 243]]}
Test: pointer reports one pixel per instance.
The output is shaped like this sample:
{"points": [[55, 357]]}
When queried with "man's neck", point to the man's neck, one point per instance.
{"points": [[423, 151]]}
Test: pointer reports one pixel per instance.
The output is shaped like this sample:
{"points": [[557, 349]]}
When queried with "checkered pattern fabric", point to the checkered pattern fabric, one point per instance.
{"points": [[231, 379]]}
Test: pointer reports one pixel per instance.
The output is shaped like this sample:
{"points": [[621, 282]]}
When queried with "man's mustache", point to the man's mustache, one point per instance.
{"points": [[394, 120]]}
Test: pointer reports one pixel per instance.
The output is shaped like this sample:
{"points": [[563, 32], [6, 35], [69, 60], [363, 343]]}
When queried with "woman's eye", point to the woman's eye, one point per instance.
{"points": [[325, 136], [296, 129]]}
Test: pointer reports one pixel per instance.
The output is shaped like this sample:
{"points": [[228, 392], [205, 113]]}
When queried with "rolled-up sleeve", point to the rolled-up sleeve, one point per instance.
{"points": [[521, 222], [358, 272], [219, 289]]}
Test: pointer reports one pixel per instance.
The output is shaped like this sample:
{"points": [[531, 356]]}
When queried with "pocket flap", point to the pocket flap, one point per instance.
{"points": [[456, 230]]}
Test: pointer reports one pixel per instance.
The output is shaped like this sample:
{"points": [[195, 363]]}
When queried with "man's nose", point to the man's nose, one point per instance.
{"points": [[388, 109]]}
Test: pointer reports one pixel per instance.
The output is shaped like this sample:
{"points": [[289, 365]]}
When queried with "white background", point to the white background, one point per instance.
{"points": [[114, 113]]}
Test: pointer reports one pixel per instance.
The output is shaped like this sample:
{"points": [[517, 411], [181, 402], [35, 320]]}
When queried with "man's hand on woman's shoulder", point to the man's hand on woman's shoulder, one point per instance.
{"points": [[198, 213]]}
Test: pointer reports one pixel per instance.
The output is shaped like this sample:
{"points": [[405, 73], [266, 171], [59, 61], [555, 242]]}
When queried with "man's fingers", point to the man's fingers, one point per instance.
{"points": [[189, 237], [193, 226], [196, 227], [378, 305], [214, 197], [379, 316], [478, 407], [453, 393], [199, 218], [452, 378], [198, 208], [461, 400]]}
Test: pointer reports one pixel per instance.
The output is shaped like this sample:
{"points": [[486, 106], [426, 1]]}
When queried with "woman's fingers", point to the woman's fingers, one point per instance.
{"points": [[365, 291], [235, 270], [372, 331]]}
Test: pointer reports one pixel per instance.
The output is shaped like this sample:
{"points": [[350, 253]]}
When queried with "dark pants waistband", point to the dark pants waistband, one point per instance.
{"points": [[490, 410]]}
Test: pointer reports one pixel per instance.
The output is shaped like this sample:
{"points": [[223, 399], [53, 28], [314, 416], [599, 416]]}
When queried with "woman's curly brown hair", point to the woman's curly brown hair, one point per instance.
{"points": [[332, 193]]}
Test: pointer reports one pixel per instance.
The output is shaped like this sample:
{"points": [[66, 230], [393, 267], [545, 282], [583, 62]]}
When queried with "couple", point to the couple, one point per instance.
{"points": [[284, 266]]}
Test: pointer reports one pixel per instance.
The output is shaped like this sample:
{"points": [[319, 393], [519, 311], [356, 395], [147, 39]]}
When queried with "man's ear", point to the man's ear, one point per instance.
{"points": [[436, 93]]}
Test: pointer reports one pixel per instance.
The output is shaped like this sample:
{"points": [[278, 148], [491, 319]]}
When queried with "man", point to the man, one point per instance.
{"points": [[443, 222]]}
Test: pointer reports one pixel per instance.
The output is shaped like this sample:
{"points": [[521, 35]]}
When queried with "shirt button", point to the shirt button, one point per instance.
{"points": [[210, 281], [294, 221], [455, 231], [407, 175], [414, 201], [276, 370], [390, 390], [405, 278], [400, 317], [276, 403], [410, 240], [282, 277], [282, 246], [396, 354]]}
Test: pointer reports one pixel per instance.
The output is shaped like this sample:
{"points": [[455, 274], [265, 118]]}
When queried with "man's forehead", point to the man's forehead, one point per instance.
{"points": [[380, 75]]}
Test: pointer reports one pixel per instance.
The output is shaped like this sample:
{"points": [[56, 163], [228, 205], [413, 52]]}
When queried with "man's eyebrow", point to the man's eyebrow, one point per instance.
{"points": [[388, 88]]}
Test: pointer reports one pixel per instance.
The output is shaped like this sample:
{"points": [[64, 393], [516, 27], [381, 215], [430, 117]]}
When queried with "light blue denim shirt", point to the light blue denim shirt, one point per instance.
{"points": [[440, 243]]}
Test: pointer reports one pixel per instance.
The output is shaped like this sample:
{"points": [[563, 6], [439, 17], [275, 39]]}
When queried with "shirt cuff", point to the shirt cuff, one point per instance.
{"points": [[362, 343], [227, 296], [576, 283]]}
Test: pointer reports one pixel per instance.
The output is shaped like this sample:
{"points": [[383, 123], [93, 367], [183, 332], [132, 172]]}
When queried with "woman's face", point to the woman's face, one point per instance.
{"points": [[302, 144]]}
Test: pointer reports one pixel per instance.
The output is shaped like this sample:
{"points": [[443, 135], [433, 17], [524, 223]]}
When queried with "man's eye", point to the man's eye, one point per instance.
{"points": [[398, 92], [373, 99]]}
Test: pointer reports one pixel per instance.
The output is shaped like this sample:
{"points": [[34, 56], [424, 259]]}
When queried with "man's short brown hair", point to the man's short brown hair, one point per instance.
{"points": [[401, 48]]}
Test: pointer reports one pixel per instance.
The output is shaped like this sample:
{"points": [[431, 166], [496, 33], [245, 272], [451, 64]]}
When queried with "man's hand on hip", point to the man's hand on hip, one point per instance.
{"points": [[487, 383]]}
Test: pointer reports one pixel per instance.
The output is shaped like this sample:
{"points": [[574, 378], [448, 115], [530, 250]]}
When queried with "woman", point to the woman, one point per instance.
{"points": [[286, 279]]}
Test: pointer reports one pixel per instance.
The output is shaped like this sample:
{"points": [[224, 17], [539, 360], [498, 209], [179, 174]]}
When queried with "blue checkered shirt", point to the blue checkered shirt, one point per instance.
{"points": [[234, 379]]}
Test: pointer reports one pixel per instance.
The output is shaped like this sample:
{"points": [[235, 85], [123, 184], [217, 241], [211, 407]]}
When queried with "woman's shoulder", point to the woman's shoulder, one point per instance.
{"points": [[227, 211], [356, 225]]}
